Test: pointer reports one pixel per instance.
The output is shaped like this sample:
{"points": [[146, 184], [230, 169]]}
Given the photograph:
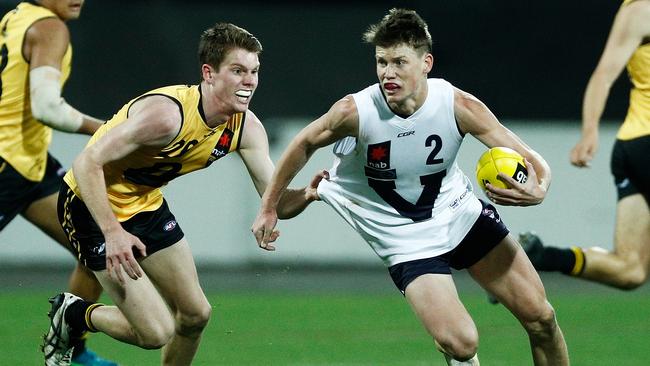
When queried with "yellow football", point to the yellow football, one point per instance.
{"points": [[500, 159]]}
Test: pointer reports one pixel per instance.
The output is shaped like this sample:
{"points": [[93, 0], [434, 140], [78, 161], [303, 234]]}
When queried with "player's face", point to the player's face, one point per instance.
{"points": [[64, 9], [402, 73], [237, 78]]}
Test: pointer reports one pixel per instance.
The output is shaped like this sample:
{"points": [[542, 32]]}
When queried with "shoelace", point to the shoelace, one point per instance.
{"points": [[55, 340]]}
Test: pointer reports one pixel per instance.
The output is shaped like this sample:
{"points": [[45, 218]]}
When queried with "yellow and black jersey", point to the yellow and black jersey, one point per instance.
{"points": [[637, 120], [23, 140], [133, 183]]}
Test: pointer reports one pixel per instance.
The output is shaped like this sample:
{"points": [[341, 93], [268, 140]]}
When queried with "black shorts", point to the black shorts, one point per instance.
{"points": [[629, 165], [156, 229], [17, 192], [486, 233]]}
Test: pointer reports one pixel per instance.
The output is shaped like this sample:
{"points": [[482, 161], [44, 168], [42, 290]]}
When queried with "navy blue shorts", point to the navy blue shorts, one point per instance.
{"points": [[629, 165], [486, 233], [17, 192], [156, 229]]}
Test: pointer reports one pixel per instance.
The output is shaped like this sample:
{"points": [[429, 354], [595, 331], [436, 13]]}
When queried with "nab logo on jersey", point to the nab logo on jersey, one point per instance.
{"points": [[222, 147], [404, 134], [379, 155]]}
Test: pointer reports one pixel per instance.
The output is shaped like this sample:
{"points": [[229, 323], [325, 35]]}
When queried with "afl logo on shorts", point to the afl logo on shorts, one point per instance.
{"points": [[170, 225]]}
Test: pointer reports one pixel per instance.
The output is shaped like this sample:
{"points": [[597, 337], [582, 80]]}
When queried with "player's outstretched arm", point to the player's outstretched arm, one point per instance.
{"points": [[340, 121], [45, 45], [475, 118], [254, 150], [631, 26], [153, 121]]}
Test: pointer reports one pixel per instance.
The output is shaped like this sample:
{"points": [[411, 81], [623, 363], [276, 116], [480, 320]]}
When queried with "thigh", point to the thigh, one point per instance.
{"points": [[173, 272], [435, 301], [507, 273], [43, 214], [138, 300], [632, 234]]}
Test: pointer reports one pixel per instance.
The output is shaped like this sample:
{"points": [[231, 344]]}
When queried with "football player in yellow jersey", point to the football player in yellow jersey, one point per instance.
{"points": [[35, 56], [113, 211], [628, 265]]}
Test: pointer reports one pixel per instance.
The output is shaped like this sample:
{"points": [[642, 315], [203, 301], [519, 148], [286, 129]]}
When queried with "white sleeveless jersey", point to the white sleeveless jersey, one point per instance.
{"points": [[398, 183]]}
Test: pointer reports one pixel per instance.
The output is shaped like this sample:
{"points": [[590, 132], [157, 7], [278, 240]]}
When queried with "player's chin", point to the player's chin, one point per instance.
{"points": [[241, 106]]}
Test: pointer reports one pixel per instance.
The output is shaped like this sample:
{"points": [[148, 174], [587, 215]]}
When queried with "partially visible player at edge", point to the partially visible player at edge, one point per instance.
{"points": [[113, 210], [627, 266], [36, 55], [396, 182]]}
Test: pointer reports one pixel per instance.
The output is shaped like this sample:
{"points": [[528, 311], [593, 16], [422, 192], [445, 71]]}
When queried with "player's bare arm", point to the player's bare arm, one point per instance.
{"points": [[475, 118], [629, 30], [153, 122], [45, 45], [254, 150], [340, 121]]}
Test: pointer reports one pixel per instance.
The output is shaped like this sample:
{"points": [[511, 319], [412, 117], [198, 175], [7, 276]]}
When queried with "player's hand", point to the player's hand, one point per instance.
{"points": [[119, 255], [519, 194], [584, 151], [311, 191], [264, 229]]}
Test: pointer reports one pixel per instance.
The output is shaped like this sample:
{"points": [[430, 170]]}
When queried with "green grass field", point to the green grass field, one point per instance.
{"points": [[289, 328]]}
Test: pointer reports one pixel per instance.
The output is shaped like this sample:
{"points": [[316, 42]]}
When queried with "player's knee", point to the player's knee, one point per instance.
{"points": [[193, 322], [541, 323], [461, 346], [155, 331], [157, 336]]}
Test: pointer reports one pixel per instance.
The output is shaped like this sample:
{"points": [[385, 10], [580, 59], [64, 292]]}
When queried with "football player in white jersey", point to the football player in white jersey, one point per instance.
{"points": [[395, 181]]}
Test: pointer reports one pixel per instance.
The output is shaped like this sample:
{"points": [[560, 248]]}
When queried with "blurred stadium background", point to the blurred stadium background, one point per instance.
{"points": [[528, 61]]}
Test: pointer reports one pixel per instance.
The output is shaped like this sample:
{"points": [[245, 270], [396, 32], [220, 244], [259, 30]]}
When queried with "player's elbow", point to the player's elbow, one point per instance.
{"points": [[45, 111], [56, 113]]}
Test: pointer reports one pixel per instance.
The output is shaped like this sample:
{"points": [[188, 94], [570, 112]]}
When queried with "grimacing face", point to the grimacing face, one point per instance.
{"points": [[402, 73], [236, 80], [64, 9]]}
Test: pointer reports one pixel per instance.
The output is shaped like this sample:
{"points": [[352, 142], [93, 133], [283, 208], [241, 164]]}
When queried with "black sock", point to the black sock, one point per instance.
{"points": [[79, 345], [77, 315], [570, 261]]}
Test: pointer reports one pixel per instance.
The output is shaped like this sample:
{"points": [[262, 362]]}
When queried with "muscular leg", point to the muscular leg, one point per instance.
{"points": [[628, 265], [507, 273], [174, 274], [42, 213], [435, 301], [139, 317]]}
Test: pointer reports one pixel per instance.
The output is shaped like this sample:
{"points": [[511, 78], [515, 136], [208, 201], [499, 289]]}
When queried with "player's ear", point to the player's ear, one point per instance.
{"points": [[208, 72], [428, 62]]}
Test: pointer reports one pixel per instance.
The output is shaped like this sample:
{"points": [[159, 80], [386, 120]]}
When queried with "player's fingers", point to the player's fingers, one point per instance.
{"points": [[135, 271], [141, 248], [511, 182], [109, 267], [118, 270], [258, 234], [267, 235], [274, 236], [530, 168]]}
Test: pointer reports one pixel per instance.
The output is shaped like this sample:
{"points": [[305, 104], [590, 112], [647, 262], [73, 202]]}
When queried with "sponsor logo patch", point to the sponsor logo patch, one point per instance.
{"points": [[222, 147], [378, 155], [170, 225]]}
